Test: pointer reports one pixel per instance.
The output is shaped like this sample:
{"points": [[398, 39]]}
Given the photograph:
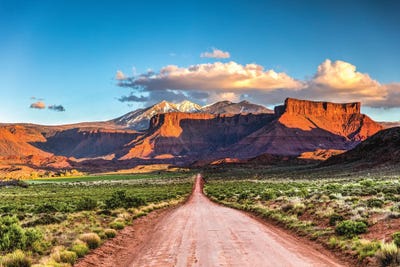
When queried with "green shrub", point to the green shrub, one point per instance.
{"points": [[268, 194], [16, 259], [396, 238], [388, 255], [334, 218], [46, 208], [366, 248], [67, 256], [110, 233], [333, 242], [13, 236], [375, 203], [91, 239], [119, 199], [40, 246], [86, 203], [80, 248], [350, 228], [117, 225]]}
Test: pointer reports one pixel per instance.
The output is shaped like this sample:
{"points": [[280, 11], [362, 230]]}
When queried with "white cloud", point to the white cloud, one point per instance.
{"points": [[342, 81], [214, 76], [216, 53], [336, 81]]}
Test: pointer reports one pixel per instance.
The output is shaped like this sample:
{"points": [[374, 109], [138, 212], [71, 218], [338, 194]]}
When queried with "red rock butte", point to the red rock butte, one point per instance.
{"points": [[327, 109]]}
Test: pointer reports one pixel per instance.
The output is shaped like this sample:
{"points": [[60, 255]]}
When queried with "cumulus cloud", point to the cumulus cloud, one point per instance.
{"points": [[58, 108], [341, 81], [216, 53], [38, 105], [213, 76], [336, 81]]}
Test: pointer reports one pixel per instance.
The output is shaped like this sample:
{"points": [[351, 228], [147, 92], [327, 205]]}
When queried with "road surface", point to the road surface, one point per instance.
{"points": [[202, 233]]}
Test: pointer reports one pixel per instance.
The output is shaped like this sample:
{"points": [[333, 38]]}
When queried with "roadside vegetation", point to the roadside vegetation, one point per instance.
{"points": [[356, 214], [52, 223]]}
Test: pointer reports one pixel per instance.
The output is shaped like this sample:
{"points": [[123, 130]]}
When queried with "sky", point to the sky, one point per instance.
{"points": [[73, 61]]}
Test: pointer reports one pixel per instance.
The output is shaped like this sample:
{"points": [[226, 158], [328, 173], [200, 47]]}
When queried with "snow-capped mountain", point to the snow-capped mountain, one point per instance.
{"points": [[235, 108], [140, 118]]}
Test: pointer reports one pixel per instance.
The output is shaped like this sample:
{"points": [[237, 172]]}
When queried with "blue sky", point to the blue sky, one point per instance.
{"points": [[68, 52]]}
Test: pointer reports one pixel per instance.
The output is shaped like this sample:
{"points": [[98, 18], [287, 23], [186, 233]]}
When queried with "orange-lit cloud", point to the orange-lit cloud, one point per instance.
{"points": [[214, 76], [119, 75], [38, 105], [336, 81], [342, 82], [216, 53]]}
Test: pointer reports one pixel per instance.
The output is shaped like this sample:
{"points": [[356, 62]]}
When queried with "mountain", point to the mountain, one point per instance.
{"points": [[140, 118], [298, 126], [235, 108], [380, 149], [192, 135], [169, 135], [305, 126]]}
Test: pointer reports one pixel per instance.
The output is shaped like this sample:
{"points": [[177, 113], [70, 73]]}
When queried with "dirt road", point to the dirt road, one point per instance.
{"points": [[202, 233]]}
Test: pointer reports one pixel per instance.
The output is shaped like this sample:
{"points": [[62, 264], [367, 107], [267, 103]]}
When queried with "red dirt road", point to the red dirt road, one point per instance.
{"points": [[202, 233]]}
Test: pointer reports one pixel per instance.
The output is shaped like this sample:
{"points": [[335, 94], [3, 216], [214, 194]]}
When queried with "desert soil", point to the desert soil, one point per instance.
{"points": [[202, 233]]}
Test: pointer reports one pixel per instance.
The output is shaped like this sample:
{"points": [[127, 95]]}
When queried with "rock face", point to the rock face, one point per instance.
{"points": [[15, 140], [304, 126], [86, 143], [313, 108], [193, 135], [379, 149], [340, 119]]}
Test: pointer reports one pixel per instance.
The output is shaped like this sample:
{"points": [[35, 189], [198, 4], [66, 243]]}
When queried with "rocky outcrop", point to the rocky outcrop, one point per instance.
{"points": [[304, 126], [86, 143], [169, 124], [193, 135], [340, 119], [15, 140], [313, 108]]}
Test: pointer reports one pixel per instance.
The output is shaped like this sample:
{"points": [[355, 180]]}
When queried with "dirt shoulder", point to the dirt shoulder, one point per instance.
{"points": [[120, 250]]}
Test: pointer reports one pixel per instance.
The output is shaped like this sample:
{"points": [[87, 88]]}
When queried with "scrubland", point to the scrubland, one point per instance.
{"points": [[54, 222], [356, 214]]}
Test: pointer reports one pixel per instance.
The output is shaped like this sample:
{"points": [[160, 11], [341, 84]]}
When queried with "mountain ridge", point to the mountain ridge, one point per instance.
{"points": [[176, 137], [139, 119]]}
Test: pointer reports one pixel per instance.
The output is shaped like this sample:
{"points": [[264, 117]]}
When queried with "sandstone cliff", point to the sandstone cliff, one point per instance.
{"points": [[192, 134]]}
